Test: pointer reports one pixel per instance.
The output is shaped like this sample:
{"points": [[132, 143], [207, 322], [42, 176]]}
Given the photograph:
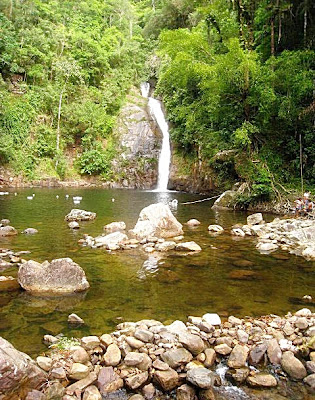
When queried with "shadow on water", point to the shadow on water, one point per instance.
{"points": [[228, 276]]}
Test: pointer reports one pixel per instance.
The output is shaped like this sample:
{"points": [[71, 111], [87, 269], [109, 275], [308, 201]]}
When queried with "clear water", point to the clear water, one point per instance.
{"points": [[124, 286]]}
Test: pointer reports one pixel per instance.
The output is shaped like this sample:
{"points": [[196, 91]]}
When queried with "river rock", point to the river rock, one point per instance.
{"points": [[75, 319], [136, 381], [134, 343], [188, 246], [176, 357], [157, 220], [212, 319], [108, 381], [113, 355], [210, 358], [226, 200], [161, 366], [238, 356], [165, 246], [310, 366], [310, 381], [293, 366], [30, 231], [78, 371], [192, 343], [80, 215], [144, 335], [111, 241], [274, 352], [255, 219], [257, 353], [168, 380], [262, 380], [186, 392], [149, 391], [115, 226], [267, 247], [36, 395], [215, 228], [74, 225], [201, 377], [223, 349], [133, 359], [92, 393], [238, 375], [8, 231], [237, 232], [8, 283], [90, 342], [19, 373], [193, 222], [79, 355], [60, 276], [5, 222], [58, 373], [44, 363]]}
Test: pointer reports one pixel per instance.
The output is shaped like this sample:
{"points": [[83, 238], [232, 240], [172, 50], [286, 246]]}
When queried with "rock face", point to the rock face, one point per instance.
{"points": [[157, 220], [80, 215], [225, 201], [60, 276], [19, 373]]}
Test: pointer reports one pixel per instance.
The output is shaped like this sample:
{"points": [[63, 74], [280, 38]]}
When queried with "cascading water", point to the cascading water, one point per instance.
{"points": [[165, 155]]}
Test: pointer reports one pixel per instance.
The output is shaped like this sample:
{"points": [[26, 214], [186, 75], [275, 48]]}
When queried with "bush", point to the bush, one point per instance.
{"points": [[94, 162]]}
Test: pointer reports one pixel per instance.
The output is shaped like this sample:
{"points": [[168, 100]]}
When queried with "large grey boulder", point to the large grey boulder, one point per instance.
{"points": [[157, 220], [19, 373], [80, 215], [60, 276]]}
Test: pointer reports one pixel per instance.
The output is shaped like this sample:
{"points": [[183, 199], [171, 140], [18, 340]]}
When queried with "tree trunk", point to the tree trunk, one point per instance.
{"points": [[58, 124], [272, 36], [305, 23]]}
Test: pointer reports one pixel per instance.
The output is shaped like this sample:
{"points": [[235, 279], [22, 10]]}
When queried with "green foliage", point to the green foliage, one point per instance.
{"points": [[95, 161]]}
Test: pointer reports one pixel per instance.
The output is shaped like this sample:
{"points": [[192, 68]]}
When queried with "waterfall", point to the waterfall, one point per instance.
{"points": [[165, 155]]}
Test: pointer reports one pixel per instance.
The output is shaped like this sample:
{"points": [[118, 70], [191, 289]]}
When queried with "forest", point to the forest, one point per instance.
{"points": [[236, 78]]}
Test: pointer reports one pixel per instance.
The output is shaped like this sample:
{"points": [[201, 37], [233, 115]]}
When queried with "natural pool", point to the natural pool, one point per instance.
{"points": [[122, 287]]}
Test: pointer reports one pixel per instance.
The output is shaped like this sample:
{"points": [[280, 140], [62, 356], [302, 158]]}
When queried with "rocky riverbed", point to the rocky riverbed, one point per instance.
{"points": [[203, 358]]}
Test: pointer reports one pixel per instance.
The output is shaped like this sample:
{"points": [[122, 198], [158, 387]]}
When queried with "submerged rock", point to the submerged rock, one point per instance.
{"points": [[111, 241], [74, 225], [193, 222], [60, 276], [8, 283], [215, 228], [80, 215], [188, 246]]}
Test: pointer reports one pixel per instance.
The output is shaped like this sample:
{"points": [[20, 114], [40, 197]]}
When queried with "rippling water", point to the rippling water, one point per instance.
{"points": [[124, 285]]}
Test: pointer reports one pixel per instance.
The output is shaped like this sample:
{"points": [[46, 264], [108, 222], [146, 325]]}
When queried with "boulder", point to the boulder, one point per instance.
{"points": [[274, 352], [78, 371], [293, 366], [255, 219], [30, 231], [113, 355], [75, 319], [226, 200], [19, 373], [238, 356], [262, 380], [111, 241], [136, 381], [8, 231], [80, 215], [193, 222], [108, 381], [188, 246], [177, 357], [157, 220], [8, 283], [168, 380], [60, 276], [192, 343], [212, 319], [92, 393], [215, 228], [74, 225], [115, 226], [201, 377]]}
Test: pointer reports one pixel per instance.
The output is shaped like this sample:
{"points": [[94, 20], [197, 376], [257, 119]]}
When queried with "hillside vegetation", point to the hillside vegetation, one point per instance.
{"points": [[236, 76]]}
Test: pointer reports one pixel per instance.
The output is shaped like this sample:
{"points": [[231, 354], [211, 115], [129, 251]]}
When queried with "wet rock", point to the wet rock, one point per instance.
{"points": [[255, 219], [60, 276], [215, 229], [111, 241], [257, 353], [267, 247], [75, 319], [238, 232], [165, 246], [176, 357], [78, 371], [293, 366], [188, 246], [192, 343], [168, 380], [201, 377], [108, 381], [112, 356], [44, 363], [8, 231], [193, 222], [238, 375], [144, 335], [210, 358], [115, 226], [186, 392], [223, 349], [19, 373], [30, 231], [136, 381], [73, 225], [226, 200], [262, 380], [238, 356], [243, 274], [274, 352], [8, 283], [80, 215], [92, 393], [157, 220]]}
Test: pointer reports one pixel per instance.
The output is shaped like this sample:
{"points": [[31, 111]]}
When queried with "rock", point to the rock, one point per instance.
{"points": [[148, 391], [304, 312], [226, 200], [79, 355], [8, 283], [60, 276], [115, 226], [165, 246], [134, 343], [267, 247], [242, 336], [106, 339], [177, 357], [58, 373], [111, 241], [30, 231], [78, 371], [19, 373], [238, 356], [74, 225], [193, 222], [90, 342], [160, 365], [238, 232], [192, 343], [112, 356], [168, 380], [255, 219], [257, 353], [44, 363], [238, 375], [310, 381], [293, 366], [157, 220], [207, 394], [80, 215], [274, 352], [301, 323], [144, 335], [215, 229], [310, 366], [92, 393], [5, 222], [108, 381], [210, 358], [136, 381], [75, 319], [201, 377], [35, 395], [133, 359], [188, 246], [136, 397], [186, 392], [8, 231], [223, 349], [80, 385], [243, 274], [212, 319], [54, 391], [262, 380]]}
